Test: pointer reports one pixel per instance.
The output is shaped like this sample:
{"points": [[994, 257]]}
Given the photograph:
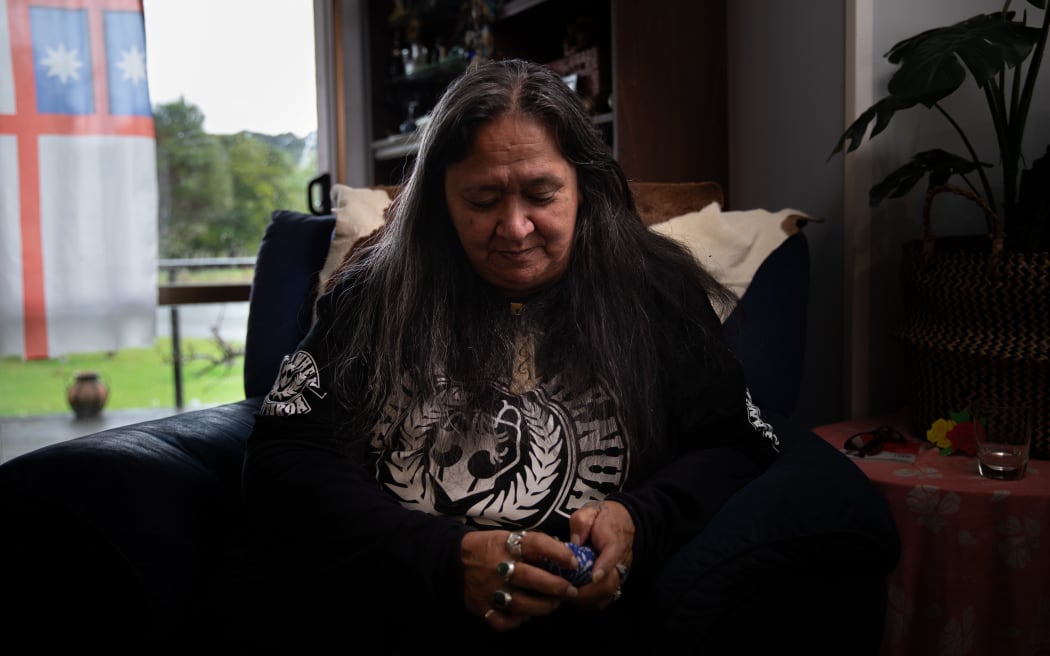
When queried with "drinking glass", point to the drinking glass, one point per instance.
{"points": [[1003, 435]]}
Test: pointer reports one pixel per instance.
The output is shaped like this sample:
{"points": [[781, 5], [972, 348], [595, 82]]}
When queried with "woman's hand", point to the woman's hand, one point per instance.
{"points": [[608, 527], [502, 585]]}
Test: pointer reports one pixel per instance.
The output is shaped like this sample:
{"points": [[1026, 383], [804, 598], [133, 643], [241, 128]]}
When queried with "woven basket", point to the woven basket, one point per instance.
{"points": [[976, 324]]}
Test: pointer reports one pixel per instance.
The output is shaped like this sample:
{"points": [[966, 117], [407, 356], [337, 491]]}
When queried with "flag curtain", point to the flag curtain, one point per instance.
{"points": [[78, 181]]}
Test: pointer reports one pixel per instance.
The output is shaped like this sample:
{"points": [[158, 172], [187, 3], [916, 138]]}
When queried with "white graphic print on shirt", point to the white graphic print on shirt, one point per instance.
{"points": [[754, 415], [515, 461], [297, 375]]}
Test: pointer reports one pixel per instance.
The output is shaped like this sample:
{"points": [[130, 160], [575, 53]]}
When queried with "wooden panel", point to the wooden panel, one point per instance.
{"points": [[659, 201], [670, 89], [340, 92], [185, 294]]}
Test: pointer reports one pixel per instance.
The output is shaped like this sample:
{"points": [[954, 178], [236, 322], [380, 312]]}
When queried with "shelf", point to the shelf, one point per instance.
{"points": [[441, 71], [395, 146], [656, 67], [513, 7], [530, 29]]}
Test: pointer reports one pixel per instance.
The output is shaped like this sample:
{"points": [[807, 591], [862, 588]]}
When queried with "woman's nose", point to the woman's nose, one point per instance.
{"points": [[515, 224]]}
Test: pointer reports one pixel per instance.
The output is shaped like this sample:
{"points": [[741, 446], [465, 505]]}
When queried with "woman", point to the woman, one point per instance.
{"points": [[515, 363]]}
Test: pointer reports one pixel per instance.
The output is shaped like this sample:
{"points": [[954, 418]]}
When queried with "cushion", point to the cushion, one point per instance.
{"points": [[767, 329], [732, 245], [660, 201], [358, 213], [763, 258], [280, 308]]}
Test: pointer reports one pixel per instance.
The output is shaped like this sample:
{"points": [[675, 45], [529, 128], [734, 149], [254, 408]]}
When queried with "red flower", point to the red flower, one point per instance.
{"points": [[963, 437]]}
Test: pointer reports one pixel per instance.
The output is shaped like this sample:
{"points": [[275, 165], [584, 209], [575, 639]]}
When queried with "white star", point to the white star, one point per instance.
{"points": [[133, 65], [62, 63]]}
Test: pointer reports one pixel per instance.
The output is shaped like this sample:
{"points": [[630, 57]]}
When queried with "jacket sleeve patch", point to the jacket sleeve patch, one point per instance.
{"points": [[288, 396]]}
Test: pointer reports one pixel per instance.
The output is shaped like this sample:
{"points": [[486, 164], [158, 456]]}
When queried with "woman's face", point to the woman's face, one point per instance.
{"points": [[513, 201]]}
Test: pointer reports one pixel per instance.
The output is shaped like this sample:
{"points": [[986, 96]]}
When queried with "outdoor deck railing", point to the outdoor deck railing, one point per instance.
{"points": [[174, 294]]}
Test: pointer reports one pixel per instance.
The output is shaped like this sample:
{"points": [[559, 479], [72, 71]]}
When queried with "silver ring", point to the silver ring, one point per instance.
{"points": [[622, 570], [505, 568], [617, 594], [489, 612], [502, 598], [514, 541]]}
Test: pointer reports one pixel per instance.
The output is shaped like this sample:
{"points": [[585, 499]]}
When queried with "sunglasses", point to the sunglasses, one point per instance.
{"points": [[869, 443]]}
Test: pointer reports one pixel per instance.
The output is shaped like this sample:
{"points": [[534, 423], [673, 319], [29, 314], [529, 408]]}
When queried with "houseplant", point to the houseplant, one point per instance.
{"points": [[976, 315], [1003, 54]]}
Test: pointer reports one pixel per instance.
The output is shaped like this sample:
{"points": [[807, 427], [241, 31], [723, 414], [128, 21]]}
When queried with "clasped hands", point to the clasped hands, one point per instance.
{"points": [[505, 583]]}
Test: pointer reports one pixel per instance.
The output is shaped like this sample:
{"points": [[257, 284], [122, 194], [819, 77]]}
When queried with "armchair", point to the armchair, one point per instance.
{"points": [[130, 538]]}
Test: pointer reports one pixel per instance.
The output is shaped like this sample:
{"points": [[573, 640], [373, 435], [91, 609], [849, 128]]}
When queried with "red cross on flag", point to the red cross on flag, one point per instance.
{"points": [[78, 179]]}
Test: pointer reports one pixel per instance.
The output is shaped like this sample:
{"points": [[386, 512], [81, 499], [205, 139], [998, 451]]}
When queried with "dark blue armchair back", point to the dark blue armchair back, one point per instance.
{"points": [[280, 309], [767, 330]]}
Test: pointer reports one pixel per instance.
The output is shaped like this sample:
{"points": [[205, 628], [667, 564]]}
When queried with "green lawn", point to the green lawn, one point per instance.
{"points": [[137, 378]]}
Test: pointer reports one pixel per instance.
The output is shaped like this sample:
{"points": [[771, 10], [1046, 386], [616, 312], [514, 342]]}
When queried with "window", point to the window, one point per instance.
{"points": [[233, 89]]}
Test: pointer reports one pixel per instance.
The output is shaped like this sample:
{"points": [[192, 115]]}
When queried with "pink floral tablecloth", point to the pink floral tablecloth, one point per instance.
{"points": [[974, 574]]}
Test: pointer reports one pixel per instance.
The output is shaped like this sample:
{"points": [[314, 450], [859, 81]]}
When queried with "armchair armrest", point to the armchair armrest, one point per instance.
{"points": [[798, 556], [116, 532]]}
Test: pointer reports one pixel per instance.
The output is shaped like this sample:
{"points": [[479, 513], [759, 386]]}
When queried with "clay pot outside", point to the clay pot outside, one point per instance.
{"points": [[87, 395]]}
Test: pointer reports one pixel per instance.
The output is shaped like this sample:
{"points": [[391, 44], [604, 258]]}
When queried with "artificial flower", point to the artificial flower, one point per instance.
{"points": [[938, 433], [954, 434]]}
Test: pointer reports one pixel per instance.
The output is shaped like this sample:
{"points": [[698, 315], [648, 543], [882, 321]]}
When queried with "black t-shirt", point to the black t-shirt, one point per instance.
{"points": [[527, 456]]}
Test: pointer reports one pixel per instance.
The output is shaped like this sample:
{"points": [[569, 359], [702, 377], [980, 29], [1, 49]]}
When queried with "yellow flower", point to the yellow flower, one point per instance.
{"points": [[938, 433]]}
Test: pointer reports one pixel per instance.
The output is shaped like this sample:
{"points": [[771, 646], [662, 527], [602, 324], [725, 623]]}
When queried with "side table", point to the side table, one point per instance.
{"points": [[974, 575]]}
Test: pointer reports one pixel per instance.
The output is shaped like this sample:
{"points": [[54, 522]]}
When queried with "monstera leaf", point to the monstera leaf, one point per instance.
{"points": [[1003, 54], [881, 112], [938, 164], [929, 67]]}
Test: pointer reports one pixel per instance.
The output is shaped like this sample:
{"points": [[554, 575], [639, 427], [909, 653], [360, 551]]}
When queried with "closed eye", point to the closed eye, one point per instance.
{"points": [[542, 199], [542, 193], [533, 199], [486, 204]]}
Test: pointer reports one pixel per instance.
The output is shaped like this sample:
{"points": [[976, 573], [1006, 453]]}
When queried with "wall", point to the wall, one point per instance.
{"points": [[788, 91], [785, 115]]}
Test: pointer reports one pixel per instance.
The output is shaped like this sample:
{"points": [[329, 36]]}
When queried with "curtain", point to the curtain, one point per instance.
{"points": [[78, 180]]}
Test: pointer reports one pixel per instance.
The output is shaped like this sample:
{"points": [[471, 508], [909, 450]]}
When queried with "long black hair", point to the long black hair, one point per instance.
{"points": [[412, 310]]}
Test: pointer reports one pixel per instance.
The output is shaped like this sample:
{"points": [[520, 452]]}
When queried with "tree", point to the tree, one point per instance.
{"points": [[217, 192], [194, 188]]}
